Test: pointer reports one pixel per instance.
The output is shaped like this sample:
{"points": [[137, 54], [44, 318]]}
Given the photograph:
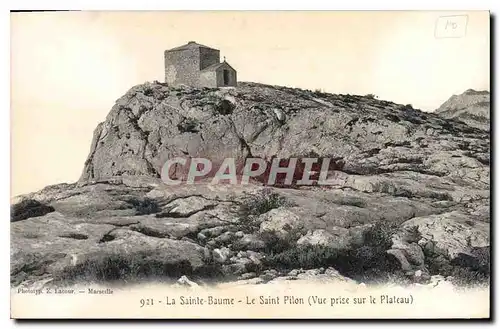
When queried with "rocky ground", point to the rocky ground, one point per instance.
{"points": [[409, 201]]}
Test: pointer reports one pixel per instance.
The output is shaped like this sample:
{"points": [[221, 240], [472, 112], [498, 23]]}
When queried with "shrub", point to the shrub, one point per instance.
{"points": [[355, 202], [261, 204], [276, 244], [188, 125], [148, 91], [466, 269], [303, 257], [28, 208], [256, 205], [466, 277], [156, 82], [224, 107], [144, 206], [369, 262], [380, 235], [118, 267], [76, 236]]}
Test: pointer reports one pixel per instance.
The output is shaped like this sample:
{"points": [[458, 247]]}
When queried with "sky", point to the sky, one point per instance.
{"points": [[68, 68]]}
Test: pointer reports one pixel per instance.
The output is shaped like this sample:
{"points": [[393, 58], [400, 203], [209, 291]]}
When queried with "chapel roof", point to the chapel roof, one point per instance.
{"points": [[190, 45]]}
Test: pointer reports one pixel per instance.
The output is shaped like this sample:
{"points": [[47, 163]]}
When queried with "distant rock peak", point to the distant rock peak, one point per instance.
{"points": [[471, 107], [476, 92]]}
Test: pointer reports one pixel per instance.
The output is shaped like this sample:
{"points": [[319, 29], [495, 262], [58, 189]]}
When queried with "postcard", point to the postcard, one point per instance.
{"points": [[250, 165]]}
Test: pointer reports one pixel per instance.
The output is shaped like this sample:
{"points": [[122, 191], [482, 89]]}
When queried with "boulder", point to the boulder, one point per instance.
{"points": [[337, 238], [280, 221], [221, 255]]}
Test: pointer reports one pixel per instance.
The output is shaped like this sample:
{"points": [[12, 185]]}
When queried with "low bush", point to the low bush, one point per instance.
{"points": [[115, 267], [467, 277], [368, 262], [276, 244], [260, 204], [224, 107], [136, 266], [188, 125], [144, 206], [28, 208]]}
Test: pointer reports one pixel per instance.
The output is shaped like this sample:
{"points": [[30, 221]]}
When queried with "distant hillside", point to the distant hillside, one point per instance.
{"points": [[471, 107]]}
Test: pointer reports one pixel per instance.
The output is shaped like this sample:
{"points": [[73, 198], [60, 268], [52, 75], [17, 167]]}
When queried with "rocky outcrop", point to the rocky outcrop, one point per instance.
{"points": [[153, 122], [409, 194], [471, 107], [443, 239]]}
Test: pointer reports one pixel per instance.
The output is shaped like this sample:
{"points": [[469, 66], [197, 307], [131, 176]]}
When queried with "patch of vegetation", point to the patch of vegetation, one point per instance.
{"points": [[442, 196], [224, 107], [106, 238], [260, 204], [355, 202], [484, 158], [114, 267], [144, 206], [133, 267], [465, 271], [34, 264], [188, 125], [148, 91], [372, 152], [393, 117], [304, 257], [466, 277], [148, 231], [28, 208], [371, 96], [76, 236], [409, 160], [472, 269], [457, 127], [368, 262], [256, 205], [165, 84], [473, 116], [351, 122], [275, 244], [380, 235], [396, 144], [175, 214]]}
